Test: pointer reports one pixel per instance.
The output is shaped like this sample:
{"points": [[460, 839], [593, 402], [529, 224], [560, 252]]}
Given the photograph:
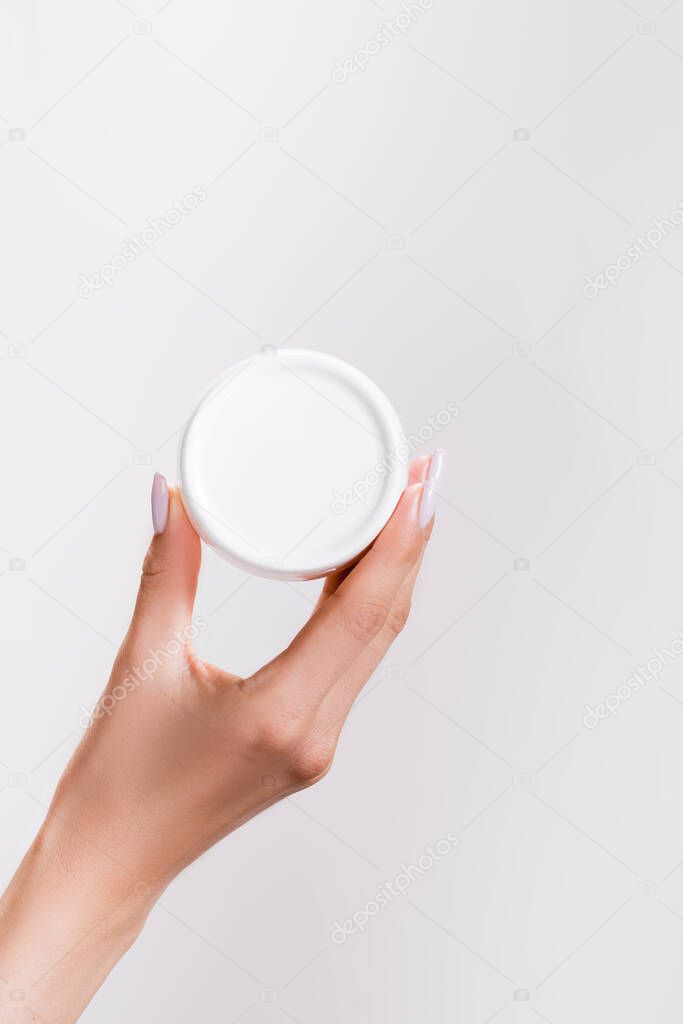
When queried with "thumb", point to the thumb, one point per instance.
{"points": [[169, 573]]}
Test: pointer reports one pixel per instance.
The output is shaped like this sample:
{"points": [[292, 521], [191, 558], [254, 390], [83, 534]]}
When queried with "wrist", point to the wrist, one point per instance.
{"points": [[92, 872], [65, 920]]}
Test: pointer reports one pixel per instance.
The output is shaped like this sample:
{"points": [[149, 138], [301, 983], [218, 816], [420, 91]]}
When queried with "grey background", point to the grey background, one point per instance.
{"points": [[513, 148]]}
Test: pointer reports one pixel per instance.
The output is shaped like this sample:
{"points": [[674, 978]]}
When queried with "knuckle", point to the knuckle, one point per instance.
{"points": [[289, 745], [398, 617], [366, 619], [152, 565], [278, 737], [310, 763]]}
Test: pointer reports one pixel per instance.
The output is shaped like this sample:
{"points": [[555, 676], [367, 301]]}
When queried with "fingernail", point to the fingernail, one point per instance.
{"points": [[429, 495], [159, 503]]}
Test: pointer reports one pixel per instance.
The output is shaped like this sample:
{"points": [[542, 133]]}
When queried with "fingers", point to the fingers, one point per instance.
{"points": [[417, 473], [169, 573], [339, 700], [360, 613]]}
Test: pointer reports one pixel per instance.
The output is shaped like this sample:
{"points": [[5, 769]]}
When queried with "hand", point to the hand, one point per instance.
{"points": [[179, 752]]}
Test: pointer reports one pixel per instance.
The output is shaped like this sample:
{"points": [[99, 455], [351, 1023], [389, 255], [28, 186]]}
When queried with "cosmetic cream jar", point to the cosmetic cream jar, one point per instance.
{"points": [[292, 463]]}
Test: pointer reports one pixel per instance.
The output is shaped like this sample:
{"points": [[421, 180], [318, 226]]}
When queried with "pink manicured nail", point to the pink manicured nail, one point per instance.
{"points": [[434, 478], [159, 503]]}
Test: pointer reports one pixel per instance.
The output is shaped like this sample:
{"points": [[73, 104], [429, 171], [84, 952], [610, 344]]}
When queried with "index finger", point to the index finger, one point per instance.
{"points": [[417, 473], [361, 607]]}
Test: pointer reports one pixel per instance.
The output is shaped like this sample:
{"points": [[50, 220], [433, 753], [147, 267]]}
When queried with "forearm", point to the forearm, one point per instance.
{"points": [[65, 921]]}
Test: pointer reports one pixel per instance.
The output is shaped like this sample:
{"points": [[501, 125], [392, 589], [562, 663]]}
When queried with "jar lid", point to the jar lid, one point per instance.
{"points": [[292, 463]]}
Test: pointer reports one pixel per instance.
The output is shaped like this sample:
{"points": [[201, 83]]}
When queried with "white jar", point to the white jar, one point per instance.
{"points": [[292, 463]]}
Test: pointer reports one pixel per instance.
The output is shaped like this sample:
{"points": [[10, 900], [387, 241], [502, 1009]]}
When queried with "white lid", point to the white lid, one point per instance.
{"points": [[292, 463]]}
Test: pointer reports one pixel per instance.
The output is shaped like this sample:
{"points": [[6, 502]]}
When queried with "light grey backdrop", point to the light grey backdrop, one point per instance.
{"points": [[432, 219]]}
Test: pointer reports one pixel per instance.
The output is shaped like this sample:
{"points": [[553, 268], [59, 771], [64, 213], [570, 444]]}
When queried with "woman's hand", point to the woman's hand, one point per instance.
{"points": [[179, 752]]}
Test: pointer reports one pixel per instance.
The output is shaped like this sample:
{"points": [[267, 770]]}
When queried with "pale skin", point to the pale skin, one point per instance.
{"points": [[188, 756]]}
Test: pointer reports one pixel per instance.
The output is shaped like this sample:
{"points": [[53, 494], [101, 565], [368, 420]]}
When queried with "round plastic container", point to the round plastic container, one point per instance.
{"points": [[292, 463]]}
